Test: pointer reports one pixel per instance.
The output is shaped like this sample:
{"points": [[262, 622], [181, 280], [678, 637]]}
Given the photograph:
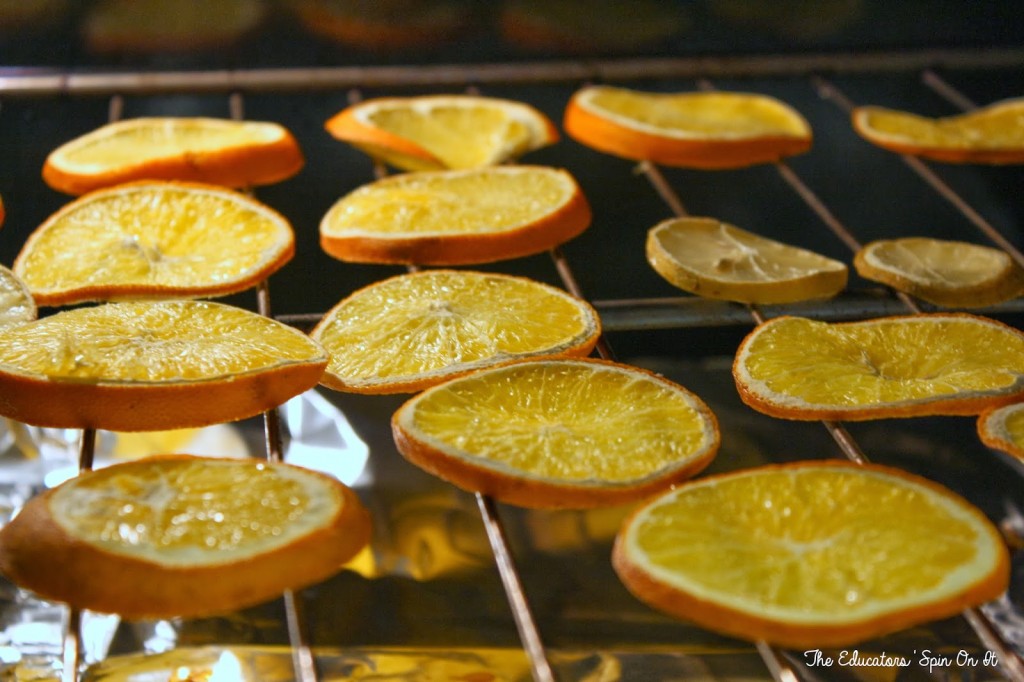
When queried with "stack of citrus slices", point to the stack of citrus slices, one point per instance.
{"points": [[436, 132], [992, 134], [705, 130]]}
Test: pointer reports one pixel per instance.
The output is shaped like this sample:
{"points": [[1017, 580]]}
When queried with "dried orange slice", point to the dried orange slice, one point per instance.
{"points": [[16, 302], [716, 260], [217, 151], [811, 554], [993, 134], [456, 217], [148, 366], [154, 240], [177, 535], [946, 273], [707, 130], [414, 331], [569, 433], [384, 24], [905, 366], [1002, 428], [436, 132]]}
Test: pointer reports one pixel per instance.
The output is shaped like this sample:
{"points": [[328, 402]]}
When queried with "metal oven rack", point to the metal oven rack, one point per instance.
{"points": [[817, 74]]}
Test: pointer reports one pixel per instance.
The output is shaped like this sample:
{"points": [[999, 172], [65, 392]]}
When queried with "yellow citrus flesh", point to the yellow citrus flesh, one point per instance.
{"points": [[16, 303], [811, 554], [889, 367], [1002, 428], [150, 240], [717, 260], [413, 331], [558, 433], [943, 272]]}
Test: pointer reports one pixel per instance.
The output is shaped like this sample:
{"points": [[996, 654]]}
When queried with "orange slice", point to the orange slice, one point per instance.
{"points": [[915, 365], [154, 240], [946, 273], [183, 536], [811, 554], [456, 217], [1002, 428], [992, 134], [384, 24], [413, 331], [16, 302], [436, 132], [148, 366], [558, 433], [706, 130], [716, 260], [217, 151]]}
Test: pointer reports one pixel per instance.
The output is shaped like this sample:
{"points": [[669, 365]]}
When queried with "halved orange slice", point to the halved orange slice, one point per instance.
{"points": [[904, 366], [148, 366], [1002, 428], [148, 240], [413, 331], [706, 130], [811, 554], [436, 132], [570, 433], [993, 134], [456, 217], [716, 260], [177, 535], [217, 151]]}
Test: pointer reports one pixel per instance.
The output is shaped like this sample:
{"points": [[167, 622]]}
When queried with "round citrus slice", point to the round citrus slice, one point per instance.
{"points": [[218, 151], [384, 24], [993, 134], [705, 130], [154, 240], [1002, 428], [946, 273], [904, 366], [178, 535], [716, 260], [811, 554], [148, 366], [16, 302], [436, 132], [413, 331], [456, 217], [570, 433]]}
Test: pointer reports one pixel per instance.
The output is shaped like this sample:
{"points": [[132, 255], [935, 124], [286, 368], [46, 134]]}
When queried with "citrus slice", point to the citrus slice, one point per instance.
{"points": [[456, 217], [177, 535], [570, 433], [436, 132], [16, 302], [716, 260], [1002, 428], [904, 366], [811, 554], [384, 24], [218, 151], [946, 273], [413, 331], [154, 240], [993, 134], [706, 130], [149, 366]]}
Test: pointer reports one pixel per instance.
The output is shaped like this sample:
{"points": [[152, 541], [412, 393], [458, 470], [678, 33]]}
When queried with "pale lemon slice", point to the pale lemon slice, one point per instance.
{"points": [[154, 240], [992, 134], [16, 302], [148, 366], [434, 132], [946, 273], [705, 130], [218, 151], [716, 260], [811, 554], [456, 217], [183, 536], [414, 331], [1002, 428], [569, 433], [915, 365]]}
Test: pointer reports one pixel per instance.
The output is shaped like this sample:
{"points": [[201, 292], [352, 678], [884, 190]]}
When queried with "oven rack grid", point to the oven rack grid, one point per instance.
{"points": [[629, 314]]}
